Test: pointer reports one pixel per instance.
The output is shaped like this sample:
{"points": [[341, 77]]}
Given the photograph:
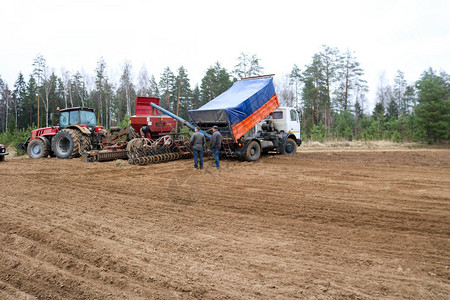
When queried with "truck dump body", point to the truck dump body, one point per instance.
{"points": [[240, 108]]}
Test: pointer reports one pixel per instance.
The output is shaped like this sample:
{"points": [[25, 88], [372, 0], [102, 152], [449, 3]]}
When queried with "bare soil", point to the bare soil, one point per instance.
{"points": [[355, 224]]}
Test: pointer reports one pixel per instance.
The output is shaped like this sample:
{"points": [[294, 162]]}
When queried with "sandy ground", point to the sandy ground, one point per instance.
{"points": [[356, 224]]}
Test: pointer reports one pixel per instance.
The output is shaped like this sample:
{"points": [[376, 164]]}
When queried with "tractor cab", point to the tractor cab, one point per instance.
{"points": [[77, 116]]}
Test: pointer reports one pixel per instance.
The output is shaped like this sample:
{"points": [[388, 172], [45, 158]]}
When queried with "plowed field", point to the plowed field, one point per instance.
{"points": [[317, 225]]}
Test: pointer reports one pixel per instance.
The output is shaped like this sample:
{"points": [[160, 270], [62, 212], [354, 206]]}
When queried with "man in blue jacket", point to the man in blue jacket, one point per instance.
{"points": [[216, 143]]}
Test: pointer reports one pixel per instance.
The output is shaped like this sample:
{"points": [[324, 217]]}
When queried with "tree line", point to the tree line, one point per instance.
{"points": [[333, 97], [330, 92]]}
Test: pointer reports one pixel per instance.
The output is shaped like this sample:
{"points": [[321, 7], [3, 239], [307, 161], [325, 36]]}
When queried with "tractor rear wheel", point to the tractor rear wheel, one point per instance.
{"points": [[85, 141], [66, 144], [253, 151], [37, 148]]}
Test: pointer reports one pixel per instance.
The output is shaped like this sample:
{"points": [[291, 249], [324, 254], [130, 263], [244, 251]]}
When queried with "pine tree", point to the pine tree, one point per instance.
{"points": [[168, 89], [295, 79], [80, 93], [19, 95], [184, 93], [330, 58], [392, 110], [215, 82], [314, 89], [30, 105], [350, 75], [433, 109], [196, 97], [400, 85]]}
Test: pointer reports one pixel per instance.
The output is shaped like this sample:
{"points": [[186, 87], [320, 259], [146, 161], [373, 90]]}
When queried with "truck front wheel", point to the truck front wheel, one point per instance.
{"points": [[290, 147], [253, 151]]}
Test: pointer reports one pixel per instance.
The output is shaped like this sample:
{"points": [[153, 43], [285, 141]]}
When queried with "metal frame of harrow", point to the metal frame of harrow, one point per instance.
{"points": [[144, 151]]}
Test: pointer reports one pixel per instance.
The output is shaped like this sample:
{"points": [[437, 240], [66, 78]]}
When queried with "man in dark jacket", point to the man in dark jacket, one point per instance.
{"points": [[197, 142], [216, 143]]}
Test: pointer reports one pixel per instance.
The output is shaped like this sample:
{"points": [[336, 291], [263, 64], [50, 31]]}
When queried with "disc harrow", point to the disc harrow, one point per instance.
{"points": [[144, 151], [104, 155]]}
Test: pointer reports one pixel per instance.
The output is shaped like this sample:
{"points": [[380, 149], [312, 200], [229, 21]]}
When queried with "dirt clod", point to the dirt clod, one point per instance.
{"points": [[355, 224]]}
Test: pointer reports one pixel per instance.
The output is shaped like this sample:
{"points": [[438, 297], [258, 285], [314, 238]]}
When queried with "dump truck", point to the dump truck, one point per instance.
{"points": [[250, 120]]}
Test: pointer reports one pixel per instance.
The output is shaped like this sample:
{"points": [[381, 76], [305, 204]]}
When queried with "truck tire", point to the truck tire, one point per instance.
{"points": [[253, 151], [2, 158], [37, 149], [290, 147], [66, 144]]}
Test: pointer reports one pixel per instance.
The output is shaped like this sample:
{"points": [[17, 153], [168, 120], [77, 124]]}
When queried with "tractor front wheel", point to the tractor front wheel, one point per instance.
{"points": [[66, 144], [37, 149]]}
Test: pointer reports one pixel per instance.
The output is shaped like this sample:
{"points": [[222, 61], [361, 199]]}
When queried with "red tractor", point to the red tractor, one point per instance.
{"points": [[77, 132]]}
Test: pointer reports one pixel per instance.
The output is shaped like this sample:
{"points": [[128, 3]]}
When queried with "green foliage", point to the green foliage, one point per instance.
{"points": [[433, 110], [318, 133], [125, 122], [215, 82], [344, 125], [330, 89], [14, 137], [12, 125], [372, 131], [184, 130]]}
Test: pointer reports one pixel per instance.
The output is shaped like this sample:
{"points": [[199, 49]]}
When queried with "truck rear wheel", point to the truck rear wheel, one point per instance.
{"points": [[66, 144], [290, 147], [37, 149], [253, 151]]}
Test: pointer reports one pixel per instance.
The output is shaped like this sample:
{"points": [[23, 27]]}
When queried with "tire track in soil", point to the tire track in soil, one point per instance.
{"points": [[325, 225]]}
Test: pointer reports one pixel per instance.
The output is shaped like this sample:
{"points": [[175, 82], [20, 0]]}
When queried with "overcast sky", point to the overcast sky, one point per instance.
{"points": [[385, 35]]}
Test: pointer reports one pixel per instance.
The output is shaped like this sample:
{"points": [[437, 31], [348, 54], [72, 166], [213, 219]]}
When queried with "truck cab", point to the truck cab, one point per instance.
{"points": [[284, 119], [279, 131]]}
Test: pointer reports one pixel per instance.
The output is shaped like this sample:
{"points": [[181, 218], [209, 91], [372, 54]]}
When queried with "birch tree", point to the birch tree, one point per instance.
{"points": [[100, 81], [247, 66], [126, 84]]}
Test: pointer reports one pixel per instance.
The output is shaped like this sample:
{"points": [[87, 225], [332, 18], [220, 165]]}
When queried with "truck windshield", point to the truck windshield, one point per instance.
{"points": [[88, 118]]}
